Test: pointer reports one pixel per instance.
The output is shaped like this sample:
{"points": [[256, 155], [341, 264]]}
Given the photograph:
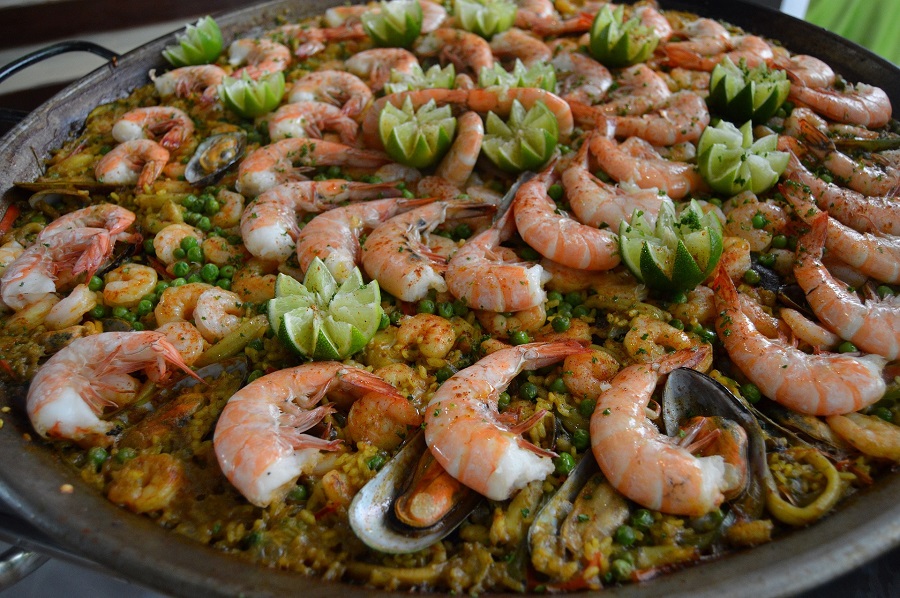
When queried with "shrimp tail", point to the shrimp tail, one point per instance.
{"points": [[685, 358], [816, 140], [524, 426], [97, 252], [812, 243]]}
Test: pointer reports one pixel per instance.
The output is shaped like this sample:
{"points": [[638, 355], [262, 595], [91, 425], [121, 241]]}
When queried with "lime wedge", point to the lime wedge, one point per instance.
{"points": [[434, 78], [739, 93], [485, 17], [525, 142], [321, 320], [417, 138], [616, 43], [678, 253], [201, 43], [395, 24], [732, 162], [250, 98], [537, 75]]}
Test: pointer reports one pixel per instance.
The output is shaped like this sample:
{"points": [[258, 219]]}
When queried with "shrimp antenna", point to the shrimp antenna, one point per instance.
{"points": [[507, 200]]}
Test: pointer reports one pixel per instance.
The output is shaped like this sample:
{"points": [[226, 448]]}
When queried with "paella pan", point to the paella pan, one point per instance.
{"points": [[200, 573]]}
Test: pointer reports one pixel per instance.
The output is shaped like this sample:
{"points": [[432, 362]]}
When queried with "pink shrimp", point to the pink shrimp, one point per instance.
{"points": [[819, 384], [681, 117], [138, 162], [113, 218], [172, 124], [557, 236], [597, 203], [68, 394], [636, 161], [377, 64], [338, 88], [269, 225], [311, 120], [516, 43], [261, 57], [259, 439], [873, 254], [186, 81], [873, 326], [867, 214], [333, 236], [864, 105], [650, 468], [475, 443], [749, 48], [468, 52], [587, 81], [456, 167], [275, 163]]}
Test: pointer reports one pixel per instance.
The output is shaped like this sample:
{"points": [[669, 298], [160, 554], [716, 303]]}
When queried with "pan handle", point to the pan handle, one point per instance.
{"points": [[16, 564], [61, 48]]}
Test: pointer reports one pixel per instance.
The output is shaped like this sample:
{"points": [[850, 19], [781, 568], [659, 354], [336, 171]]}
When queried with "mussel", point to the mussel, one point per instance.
{"points": [[214, 156], [387, 514], [690, 394]]}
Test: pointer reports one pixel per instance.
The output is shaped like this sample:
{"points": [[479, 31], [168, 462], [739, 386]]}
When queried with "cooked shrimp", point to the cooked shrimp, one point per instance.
{"points": [[187, 81], [275, 163], [680, 117], [128, 284], [113, 218], [137, 162], [456, 167], [333, 236], [433, 15], [873, 254], [557, 236], [397, 253], [217, 313], [147, 482], [269, 224], [309, 41], [468, 436], [703, 36], [468, 52], [820, 384], [382, 419], [9, 252], [648, 467], [261, 57], [655, 21], [185, 337], [639, 89], [312, 120], [752, 49], [518, 44], [808, 71], [231, 205], [44, 265], [177, 304], [586, 375], [338, 88], [634, 160], [868, 434], [862, 213], [425, 336], [587, 80], [596, 203], [67, 395], [502, 324], [259, 439], [807, 331], [70, 310], [174, 126], [169, 239], [740, 211], [649, 339], [487, 276], [873, 326], [862, 104], [377, 64]]}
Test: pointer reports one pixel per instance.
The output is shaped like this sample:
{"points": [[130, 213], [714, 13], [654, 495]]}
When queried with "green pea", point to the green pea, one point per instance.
{"points": [[460, 308], [98, 312], [190, 203], [555, 296], [564, 309], [750, 392], [642, 519], [445, 309], [211, 207], [564, 464], [792, 242], [767, 259], [574, 298], [333, 172], [178, 253], [779, 241], [751, 277], [426, 306], [95, 283], [180, 269], [209, 272], [883, 413], [144, 307], [407, 194], [298, 493], [119, 312], [226, 271], [195, 254], [188, 242], [192, 218], [705, 334], [395, 317], [586, 407], [676, 323], [558, 386], [847, 347], [528, 391], [555, 191], [624, 535], [194, 278], [581, 439], [561, 323], [137, 326], [621, 569], [679, 298], [503, 401], [462, 231], [519, 337], [254, 375], [126, 453], [224, 283], [149, 249], [161, 286], [179, 282], [580, 311], [97, 456], [884, 291], [385, 321], [129, 316], [204, 224], [759, 221], [444, 374]]}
